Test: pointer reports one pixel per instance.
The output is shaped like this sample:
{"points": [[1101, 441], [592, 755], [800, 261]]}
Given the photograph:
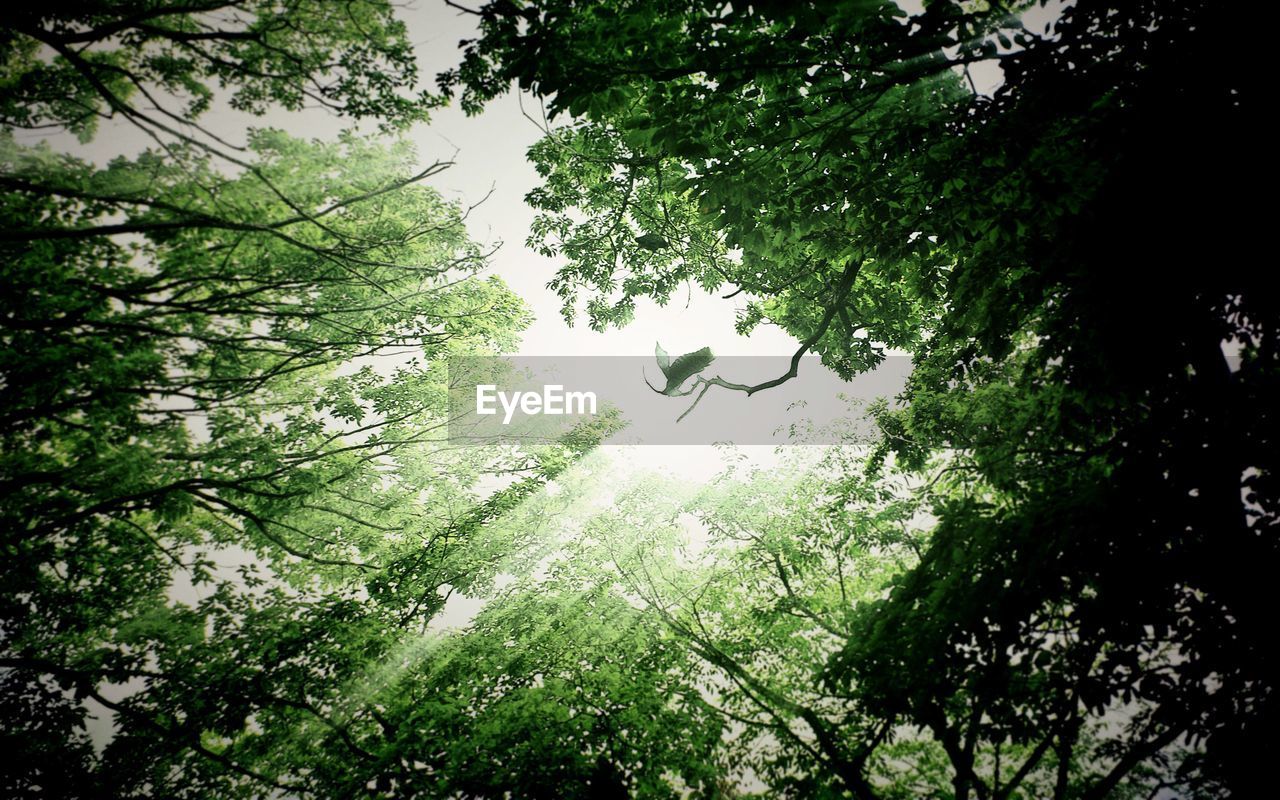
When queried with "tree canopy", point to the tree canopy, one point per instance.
{"points": [[221, 400], [232, 520], [1068, 257]]}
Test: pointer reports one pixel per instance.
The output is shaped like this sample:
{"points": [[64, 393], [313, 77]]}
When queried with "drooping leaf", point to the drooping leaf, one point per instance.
{"points": [[684, 368], [664, 360]]}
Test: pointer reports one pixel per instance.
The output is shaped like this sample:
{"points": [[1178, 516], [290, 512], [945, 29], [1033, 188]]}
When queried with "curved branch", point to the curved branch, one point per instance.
{"points": [[836, 306]]}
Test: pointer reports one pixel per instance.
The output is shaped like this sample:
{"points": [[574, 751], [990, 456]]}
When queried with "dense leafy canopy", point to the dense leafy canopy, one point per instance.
{"points": [[262, 391], [226, 490], [163, 63], [231, 521], [1067, 256]]}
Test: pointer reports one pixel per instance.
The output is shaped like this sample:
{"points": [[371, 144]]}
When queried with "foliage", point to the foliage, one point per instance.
{"points": [[226, 487], [351, 58], [229, 508], [232, 524], [1066, 256], [196, 396], [766, 576]]}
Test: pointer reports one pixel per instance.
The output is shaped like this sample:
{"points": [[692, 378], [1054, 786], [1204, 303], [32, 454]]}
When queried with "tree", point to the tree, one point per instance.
{"points": [[765, 576], [225, 483], [352, 59], [175, 400], [1020, 241], [230, 524]]}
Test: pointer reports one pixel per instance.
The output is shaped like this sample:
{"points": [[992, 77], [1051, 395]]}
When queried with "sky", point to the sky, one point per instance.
{"points": [[489, 150]]}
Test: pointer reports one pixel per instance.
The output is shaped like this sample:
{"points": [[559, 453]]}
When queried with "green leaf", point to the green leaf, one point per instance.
{"points": [[664, 361], [684, 368], [652, 241]]}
